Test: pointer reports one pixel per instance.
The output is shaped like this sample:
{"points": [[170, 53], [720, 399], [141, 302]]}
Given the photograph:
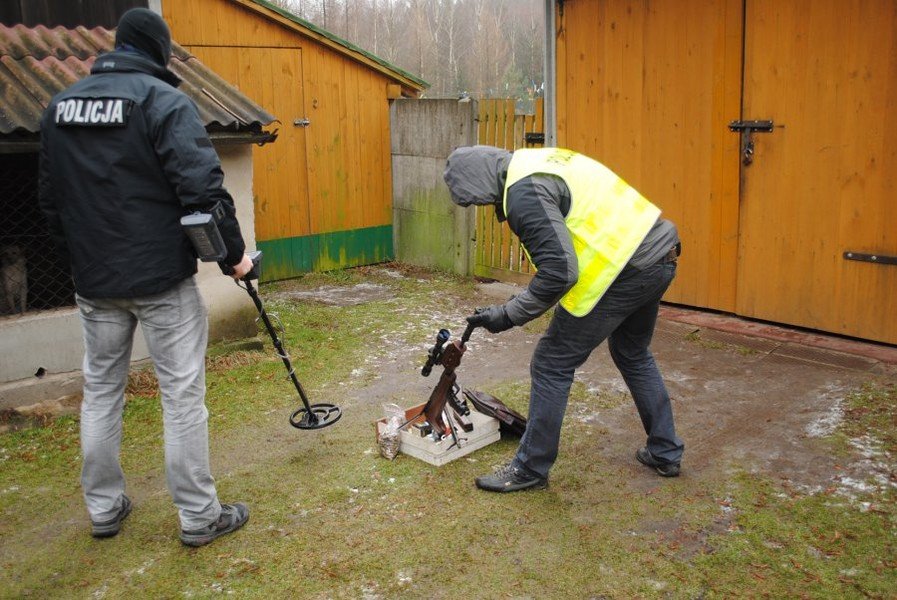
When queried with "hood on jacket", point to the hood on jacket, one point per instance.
{"points": [[146, 31], [125, 61], [477, 174]]}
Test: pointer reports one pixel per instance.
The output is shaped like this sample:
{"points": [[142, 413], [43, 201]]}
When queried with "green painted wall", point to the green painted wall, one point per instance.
{"points": [[425, 228], [290, 257]]}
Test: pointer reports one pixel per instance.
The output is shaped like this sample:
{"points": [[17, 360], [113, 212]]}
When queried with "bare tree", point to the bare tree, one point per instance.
{"points": [[487, 48]]}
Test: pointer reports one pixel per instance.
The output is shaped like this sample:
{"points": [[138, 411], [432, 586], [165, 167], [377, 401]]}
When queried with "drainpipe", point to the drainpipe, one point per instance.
{"points": [[550, 67]]}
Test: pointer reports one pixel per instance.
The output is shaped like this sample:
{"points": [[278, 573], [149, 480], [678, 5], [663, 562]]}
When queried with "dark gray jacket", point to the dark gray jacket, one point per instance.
{"points": [[123, 157], [537, 207]]}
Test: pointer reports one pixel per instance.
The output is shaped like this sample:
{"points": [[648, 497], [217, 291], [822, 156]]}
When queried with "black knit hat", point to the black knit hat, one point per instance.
{"points": [[144, 30]]}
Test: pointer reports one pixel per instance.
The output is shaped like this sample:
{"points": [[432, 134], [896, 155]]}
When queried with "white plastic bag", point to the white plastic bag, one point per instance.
{"points": [[389, 438]]}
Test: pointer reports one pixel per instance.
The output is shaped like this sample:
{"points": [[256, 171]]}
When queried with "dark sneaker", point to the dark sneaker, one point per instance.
{"points": [[104, 529], [510, 479], [233, 516], [664, 469]]}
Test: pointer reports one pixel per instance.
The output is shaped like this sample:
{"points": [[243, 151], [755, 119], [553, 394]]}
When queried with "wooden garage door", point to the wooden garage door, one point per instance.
{"points": [[824, 181], [650, 88]]}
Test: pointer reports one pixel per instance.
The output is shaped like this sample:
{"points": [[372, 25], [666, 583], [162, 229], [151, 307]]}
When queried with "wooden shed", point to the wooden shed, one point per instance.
{"points": [[323, 192], [765, 129]]}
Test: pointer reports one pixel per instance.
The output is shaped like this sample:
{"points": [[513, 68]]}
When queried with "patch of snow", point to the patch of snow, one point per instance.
{"points": [[677, 376], [827, 424], [868, 447], [726, 506]]}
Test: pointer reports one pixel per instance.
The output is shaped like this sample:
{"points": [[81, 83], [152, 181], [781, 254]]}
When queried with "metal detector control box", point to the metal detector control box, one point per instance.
{"points": [[202, 229]]}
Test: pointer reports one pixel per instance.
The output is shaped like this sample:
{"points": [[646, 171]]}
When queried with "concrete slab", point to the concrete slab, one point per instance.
{"points": [[745, 327]]}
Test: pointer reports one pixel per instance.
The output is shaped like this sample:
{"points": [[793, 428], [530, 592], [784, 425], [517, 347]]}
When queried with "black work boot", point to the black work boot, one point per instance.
{"points": [[664, 469], [510, 479], [233, 516], [104, 529]]}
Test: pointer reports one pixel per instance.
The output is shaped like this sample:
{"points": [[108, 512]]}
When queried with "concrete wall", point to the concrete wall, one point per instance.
{"points": [[231, 311], [51, 340], [428, 228]]}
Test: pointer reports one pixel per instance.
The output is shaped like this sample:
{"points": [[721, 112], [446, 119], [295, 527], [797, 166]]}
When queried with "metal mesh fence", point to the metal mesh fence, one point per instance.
{"points": [[32, 275]]}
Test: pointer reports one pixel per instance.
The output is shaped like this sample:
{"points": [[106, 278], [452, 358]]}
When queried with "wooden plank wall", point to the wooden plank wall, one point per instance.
{"points": [[499, 254]]}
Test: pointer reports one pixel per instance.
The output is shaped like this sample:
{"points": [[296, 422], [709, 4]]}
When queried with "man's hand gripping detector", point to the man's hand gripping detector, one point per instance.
{"points": [[202, 229]]}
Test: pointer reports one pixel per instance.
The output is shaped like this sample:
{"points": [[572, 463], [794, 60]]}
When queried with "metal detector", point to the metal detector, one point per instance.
{"points": [[202, 229], [307, 416]]}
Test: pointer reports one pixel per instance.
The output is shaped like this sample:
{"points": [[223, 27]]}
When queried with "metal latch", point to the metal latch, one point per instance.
{"points": [[533, 137], [301, 122], [747, 142], [873, 258]]}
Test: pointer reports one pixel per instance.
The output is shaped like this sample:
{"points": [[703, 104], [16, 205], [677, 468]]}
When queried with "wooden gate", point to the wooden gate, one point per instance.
{"points": [[650, 89], [498, 251]]}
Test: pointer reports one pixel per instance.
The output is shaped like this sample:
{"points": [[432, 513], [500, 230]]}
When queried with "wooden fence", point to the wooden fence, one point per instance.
{"points": [[499, 254]]}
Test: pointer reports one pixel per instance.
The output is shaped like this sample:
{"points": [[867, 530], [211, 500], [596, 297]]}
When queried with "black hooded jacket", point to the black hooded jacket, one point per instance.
{"points": [[123, 157]]}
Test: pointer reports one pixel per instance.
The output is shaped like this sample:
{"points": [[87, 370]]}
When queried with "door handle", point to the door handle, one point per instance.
{"points": [[747, 142], [301, 123]]}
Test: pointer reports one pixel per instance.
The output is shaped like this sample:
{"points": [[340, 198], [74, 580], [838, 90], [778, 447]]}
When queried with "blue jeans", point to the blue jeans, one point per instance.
{"points": [[175, 327], [625, 316]]}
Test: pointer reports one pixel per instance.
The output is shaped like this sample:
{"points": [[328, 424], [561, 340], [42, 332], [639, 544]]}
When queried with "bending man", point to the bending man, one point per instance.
{"points": [[602, 251]]}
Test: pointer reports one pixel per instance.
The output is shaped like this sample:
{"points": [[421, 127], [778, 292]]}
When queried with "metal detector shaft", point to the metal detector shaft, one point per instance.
{"points": [[279, 346], [307, 416]]}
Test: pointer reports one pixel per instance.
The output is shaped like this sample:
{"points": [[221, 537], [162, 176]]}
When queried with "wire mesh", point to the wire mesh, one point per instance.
{"points": [[32, 275]]}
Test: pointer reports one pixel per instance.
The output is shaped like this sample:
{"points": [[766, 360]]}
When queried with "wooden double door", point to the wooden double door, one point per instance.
{"points": [[794, 222]]}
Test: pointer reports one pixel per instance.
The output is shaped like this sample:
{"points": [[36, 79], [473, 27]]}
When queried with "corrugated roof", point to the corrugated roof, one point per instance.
{"points": [[37, 62]]}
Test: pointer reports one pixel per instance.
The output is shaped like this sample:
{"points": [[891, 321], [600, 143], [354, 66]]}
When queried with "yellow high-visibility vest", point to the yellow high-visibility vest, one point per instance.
{"points": [[608, 218]]}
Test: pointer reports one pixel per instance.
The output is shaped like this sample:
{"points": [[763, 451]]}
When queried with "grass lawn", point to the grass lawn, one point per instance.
{"points": [[332, 519]]}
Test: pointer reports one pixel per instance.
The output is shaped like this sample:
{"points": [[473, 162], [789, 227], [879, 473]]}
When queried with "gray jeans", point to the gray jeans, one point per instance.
{"points": [[175, 327], [625, 316]]}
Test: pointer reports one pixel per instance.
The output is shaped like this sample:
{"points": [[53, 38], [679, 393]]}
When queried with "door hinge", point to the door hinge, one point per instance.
{"points": [[873, 258]]}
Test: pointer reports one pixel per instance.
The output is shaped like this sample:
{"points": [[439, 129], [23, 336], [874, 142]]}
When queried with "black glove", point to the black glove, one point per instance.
{"points": [[493, 318]]}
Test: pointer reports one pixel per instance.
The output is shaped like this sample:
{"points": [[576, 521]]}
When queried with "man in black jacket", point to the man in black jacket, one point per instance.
{"points": [[604, 255], [123, 157]]}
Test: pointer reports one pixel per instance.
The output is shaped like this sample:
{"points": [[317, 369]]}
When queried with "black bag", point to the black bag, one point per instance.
{"points": [[509, 420]]}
